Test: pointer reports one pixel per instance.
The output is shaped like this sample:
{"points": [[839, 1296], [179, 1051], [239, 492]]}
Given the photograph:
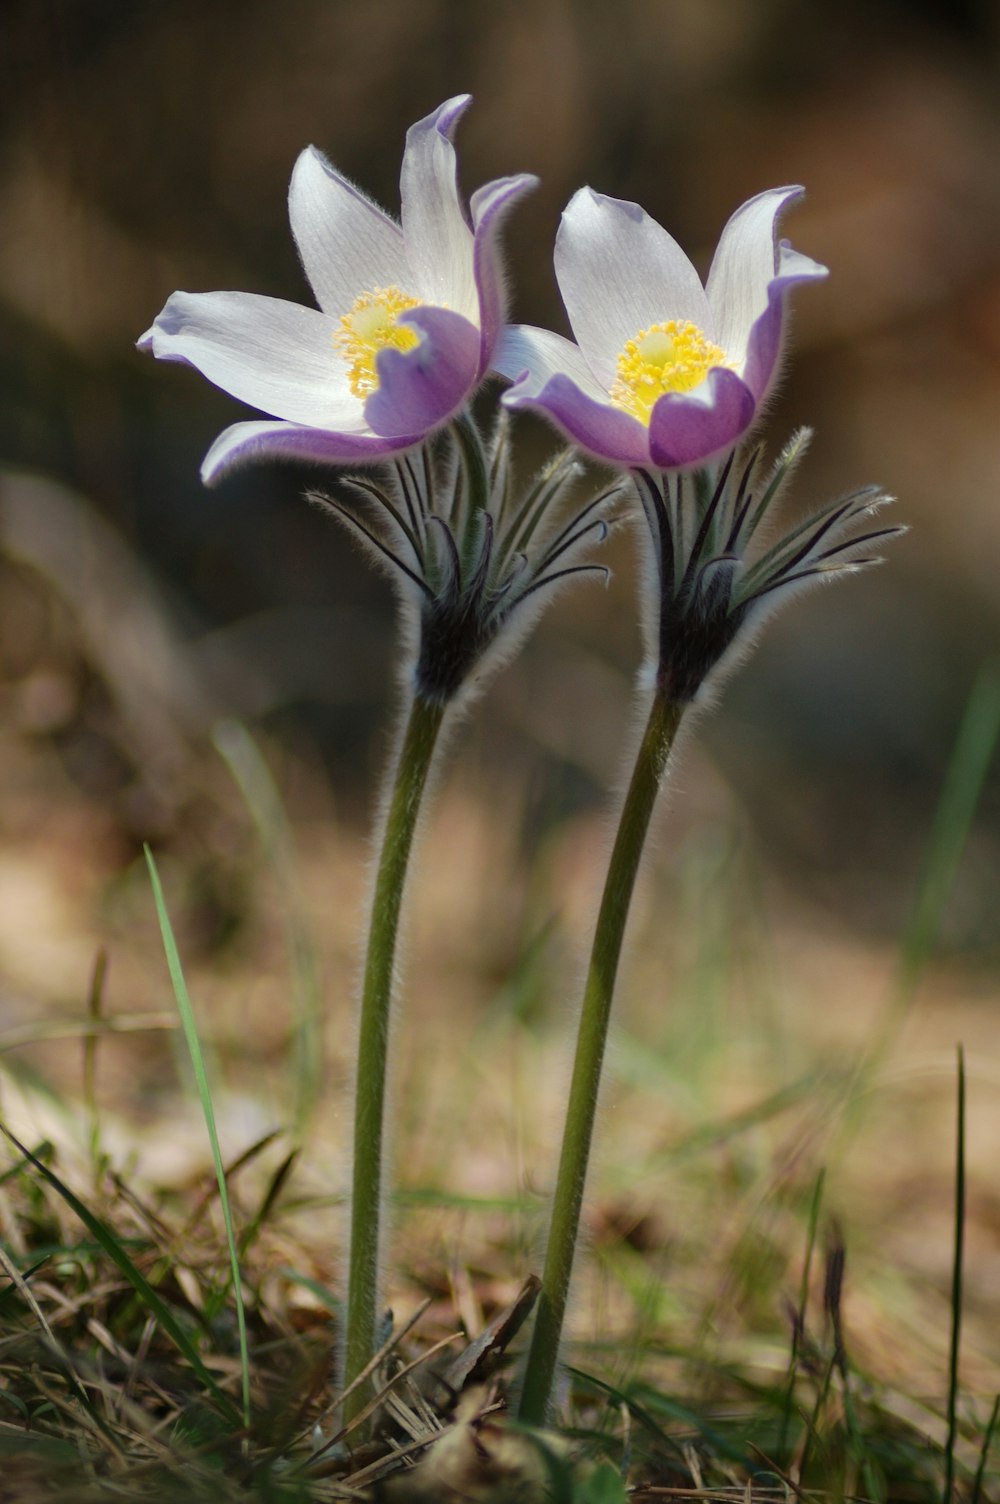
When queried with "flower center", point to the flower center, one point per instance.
{"points": [[671, 357], [373, 325]]}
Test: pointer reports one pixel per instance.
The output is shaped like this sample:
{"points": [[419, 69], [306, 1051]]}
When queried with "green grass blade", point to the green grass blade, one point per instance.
{"points": [[719, 1132], [243, 758], [857, 1442], [812, 1228], [332, 1302], [20, 1284], [798, 1330], [956, 1285], [190, 1027], [975, 746], [267, 1205], [559, 1475], [604, 1486], [95, 1009], [103, 1236], [10, 1297], [977, 1487], [44, 1150], [644, 1403]]}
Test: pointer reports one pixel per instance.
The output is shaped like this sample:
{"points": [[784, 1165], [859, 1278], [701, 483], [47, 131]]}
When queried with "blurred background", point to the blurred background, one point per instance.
{"points": [[147, 147]]}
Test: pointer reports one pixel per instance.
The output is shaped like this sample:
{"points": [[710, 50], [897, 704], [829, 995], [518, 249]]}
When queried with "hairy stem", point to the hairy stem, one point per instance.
{"points": [[476, 496], [647, 775], [415, 757]]}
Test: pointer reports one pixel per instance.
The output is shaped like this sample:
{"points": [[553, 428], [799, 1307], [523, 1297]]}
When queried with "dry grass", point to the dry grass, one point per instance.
{"points": [[722, 1110], [731, 1143]]}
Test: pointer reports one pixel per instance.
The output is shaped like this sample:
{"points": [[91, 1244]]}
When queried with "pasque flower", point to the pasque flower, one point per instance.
{"points": [[408, 320], [473, 557], [408, 323], [664, 372], [473, 560], [666, 379], [712, 582]]}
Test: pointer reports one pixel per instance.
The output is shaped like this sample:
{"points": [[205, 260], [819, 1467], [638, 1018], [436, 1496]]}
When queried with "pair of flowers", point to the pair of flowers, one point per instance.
{"points": [[412, 318], [666, 376]]}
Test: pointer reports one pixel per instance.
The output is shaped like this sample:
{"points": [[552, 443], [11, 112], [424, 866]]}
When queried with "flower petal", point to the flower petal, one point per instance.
{"points": [[490, 205], [527, 353], [276, 356], [439, 242], [347, 244], [243, 442], [606, 432], [281, 357], [421, 388], [750, 275], [766, 336], [552, 377], [689, 428], [618, 272]]}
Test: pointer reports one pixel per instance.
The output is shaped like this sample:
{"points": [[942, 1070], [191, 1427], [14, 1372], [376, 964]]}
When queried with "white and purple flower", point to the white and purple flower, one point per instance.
{"points": [[407, 326], [664, 372]]}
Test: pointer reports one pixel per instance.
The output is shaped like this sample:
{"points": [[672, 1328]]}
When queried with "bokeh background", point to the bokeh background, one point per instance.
{"points": [[146, 147]]}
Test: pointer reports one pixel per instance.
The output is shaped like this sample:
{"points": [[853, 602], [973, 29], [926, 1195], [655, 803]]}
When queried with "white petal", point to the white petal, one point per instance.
{"points": [[438, 239], [538, 354], [618, 272], [490, 206], [347, 244], [746, 263], [277, 356]]}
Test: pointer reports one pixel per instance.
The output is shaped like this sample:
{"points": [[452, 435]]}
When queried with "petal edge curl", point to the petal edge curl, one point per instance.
{"points": [[766, 341], [436, 228], [242, 443], [420, 389], [490, 206], [747, 263], [687, 429], [605, 432]]}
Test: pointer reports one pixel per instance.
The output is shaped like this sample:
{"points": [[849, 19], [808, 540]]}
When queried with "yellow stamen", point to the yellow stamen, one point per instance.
{"points": [[671, 357], [370, 326]]}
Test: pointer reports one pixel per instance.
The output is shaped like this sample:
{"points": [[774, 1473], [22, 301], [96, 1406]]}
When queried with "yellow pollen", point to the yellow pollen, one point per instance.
{"points": [[671, 357], [373, 325]]}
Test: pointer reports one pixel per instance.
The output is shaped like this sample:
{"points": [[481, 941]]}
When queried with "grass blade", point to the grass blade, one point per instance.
{"points": [[243, 758], [275, 1187], [103, 1236], [956, 1285], [190, 1027], [977, 1487], [95, 1008], [970, 762], [20, 1283], [975, 746], [799, 1313]]}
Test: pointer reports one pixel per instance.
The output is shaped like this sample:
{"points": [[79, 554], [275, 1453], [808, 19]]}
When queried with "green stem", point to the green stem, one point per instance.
{"points": [[415, 757], [650, 766], [477, 487]]}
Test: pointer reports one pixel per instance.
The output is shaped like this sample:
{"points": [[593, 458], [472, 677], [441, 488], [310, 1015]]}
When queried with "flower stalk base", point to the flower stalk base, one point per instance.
{"points": [[415, 758], [650, 766]]}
